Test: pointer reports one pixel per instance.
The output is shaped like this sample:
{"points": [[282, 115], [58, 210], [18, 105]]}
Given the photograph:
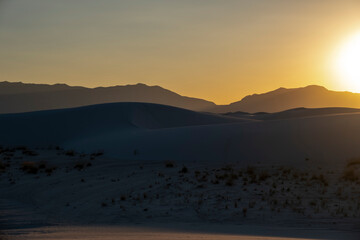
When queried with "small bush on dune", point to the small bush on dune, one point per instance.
{"points": [[2, 166], [353, 162], [29, 153], [30, 167], [122, 197], [250, 170], [352, 170], [79, 166], [184, 170], [263, 176], [244, 212], [97, 153], [42, 165], [169, 164], [21, 148], [49, 170], [350, 175], [320, 178], [230, 182], [70, 153]]}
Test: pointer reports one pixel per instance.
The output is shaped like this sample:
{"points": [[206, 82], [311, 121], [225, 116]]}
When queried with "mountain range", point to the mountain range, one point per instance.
{"points": [[23, 97]]}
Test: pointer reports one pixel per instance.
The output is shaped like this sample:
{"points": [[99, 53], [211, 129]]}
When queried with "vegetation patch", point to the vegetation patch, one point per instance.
{"points": [[30, 167]]}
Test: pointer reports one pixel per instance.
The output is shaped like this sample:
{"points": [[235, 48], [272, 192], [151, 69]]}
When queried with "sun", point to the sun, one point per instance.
{"points": [[347, 63]]}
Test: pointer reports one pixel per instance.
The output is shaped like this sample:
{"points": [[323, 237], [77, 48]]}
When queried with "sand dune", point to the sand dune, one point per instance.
{"points": [[165, 164], [161, 132], [61, 126], [294, 113]]}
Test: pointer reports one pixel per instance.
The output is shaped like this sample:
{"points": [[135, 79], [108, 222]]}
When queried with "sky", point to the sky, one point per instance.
{"points": [[218, 50]]}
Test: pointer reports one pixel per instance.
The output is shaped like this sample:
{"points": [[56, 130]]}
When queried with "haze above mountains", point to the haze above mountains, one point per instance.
{"points": [[21, 97]]}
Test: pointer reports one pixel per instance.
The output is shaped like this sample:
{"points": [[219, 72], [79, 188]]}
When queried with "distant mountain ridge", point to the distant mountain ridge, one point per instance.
{"points": [[282, 99], [23, 97]]}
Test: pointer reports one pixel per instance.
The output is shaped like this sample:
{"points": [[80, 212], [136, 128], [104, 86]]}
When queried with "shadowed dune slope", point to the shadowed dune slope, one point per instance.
{"points": [[63, 125], [294, 113], [159, 132]]}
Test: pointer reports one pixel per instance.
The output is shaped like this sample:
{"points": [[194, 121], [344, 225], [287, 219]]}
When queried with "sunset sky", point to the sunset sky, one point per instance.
{"points": [[219, 50]]}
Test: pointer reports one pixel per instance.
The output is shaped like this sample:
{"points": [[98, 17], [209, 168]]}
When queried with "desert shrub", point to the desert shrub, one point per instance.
{"points": [[350, 175], [312, 203], [215, 181], [49, 170], [169, 164], [29, 167], [70, 153], [3, 166], [252, 204], [97, 153], [263, 176], [42, 164], [244, 212], [21, 148], [286, 171], [230, 182], [353, 162], [202, 178], [29, 152], [250, 170], [221, 176], [184, 170], [228, 168], [320, 178], [253, 178], [79, 166], [233, 176]]}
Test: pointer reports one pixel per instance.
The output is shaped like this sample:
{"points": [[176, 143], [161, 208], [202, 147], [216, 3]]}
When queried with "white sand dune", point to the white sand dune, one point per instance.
{"points": [[64, 125], [157, 132], [132, 183]]}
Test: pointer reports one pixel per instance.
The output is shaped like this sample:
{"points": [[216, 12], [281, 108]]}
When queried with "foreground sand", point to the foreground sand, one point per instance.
{"points": [[43, 191], [209, 232]]}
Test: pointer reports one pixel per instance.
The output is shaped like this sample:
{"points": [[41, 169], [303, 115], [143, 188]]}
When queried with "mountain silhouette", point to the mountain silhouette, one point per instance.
{"points": [[21, 97], [282, 99]]}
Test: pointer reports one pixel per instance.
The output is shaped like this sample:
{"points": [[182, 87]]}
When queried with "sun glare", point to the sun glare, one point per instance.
{"points": [[347, 63]]}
